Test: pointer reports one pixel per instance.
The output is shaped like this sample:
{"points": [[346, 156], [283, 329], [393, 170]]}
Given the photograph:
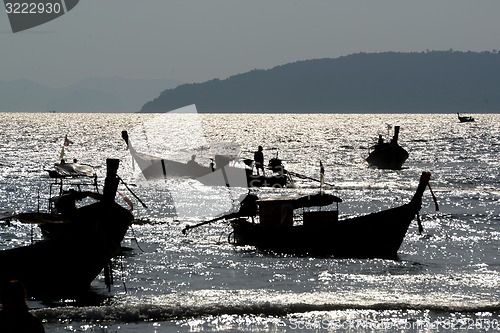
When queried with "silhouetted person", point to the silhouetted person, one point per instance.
{"points": [[192, 161], [15, 316], [380, 139], [258, 157]]}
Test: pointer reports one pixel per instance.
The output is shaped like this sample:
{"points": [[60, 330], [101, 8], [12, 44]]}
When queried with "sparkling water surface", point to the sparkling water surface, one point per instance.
{"points": [[446, 279]]}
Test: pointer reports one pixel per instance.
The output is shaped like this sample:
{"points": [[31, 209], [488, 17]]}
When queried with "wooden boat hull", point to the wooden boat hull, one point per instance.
{"points": [[465, 119], [67, 264], [157, 168], [377, 235], [388, 156], [262, 181], [81, 243]]}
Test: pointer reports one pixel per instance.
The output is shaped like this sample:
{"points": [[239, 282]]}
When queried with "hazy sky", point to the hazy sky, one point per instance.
{"points": [[198, 40]]}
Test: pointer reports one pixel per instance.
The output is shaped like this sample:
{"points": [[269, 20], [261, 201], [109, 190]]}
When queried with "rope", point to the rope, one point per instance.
{"points": [[108, 275], [135, 238], [419, 222], [135, 196], [123, 274]]}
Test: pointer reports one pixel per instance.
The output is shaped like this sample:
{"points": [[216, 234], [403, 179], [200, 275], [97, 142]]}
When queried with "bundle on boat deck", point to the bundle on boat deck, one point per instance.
{"points": [[73, 169], [81, 245], [376, 235]]}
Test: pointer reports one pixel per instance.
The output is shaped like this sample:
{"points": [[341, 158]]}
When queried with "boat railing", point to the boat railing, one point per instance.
{"points": [[62, 185]]}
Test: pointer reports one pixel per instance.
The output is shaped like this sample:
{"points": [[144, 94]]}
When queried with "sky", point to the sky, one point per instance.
{"points": [[199, 40]]}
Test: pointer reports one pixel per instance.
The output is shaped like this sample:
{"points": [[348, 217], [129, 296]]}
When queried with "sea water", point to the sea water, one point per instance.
{"points": [[446, 279]]}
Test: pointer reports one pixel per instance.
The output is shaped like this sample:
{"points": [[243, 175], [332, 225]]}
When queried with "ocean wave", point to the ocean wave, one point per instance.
{"points": [[144, 312]]}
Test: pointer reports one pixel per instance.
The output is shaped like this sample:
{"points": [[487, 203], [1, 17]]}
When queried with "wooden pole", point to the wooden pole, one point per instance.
{"points": [[111, 181]]}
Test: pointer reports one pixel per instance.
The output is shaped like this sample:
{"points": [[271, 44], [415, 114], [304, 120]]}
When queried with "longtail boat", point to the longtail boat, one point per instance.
{"points": [[80, 243], [376, 235], [464, 119], [388, 155], [224, 172], [270, 224]]}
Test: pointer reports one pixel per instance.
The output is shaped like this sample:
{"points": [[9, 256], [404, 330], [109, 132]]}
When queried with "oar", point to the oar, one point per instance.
{"points": [[135, 196], [433, 198], [188, 227], [306, 177]]}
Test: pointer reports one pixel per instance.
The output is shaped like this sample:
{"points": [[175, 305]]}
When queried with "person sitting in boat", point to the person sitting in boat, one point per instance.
{"points": [[192, 161], [380, 139], [277, 166], [65, 204], [258, 157]]}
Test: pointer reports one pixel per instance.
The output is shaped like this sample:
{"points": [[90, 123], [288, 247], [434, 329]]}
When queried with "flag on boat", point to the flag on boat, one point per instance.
{"points": [[67, 141], [127, 200], [389, 127]]}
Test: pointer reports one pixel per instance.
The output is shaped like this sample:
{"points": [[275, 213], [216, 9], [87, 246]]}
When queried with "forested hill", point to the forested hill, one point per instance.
{"points": [[427, 82]]}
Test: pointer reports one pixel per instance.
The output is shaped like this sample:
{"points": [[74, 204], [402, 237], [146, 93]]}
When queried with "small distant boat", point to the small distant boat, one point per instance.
{"points": [[464, 119], [78, 243], [224, 172], [273, 226], [388, 155]]}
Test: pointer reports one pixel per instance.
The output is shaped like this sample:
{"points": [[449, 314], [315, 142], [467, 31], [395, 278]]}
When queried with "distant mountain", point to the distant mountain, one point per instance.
{"points": [[113, 94], [87, 100], [427, 82], [24, 95]]}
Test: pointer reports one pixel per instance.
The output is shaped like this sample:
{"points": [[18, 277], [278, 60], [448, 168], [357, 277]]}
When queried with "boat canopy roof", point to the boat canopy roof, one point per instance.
{"points": [[71, 170], [302, 201]]}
